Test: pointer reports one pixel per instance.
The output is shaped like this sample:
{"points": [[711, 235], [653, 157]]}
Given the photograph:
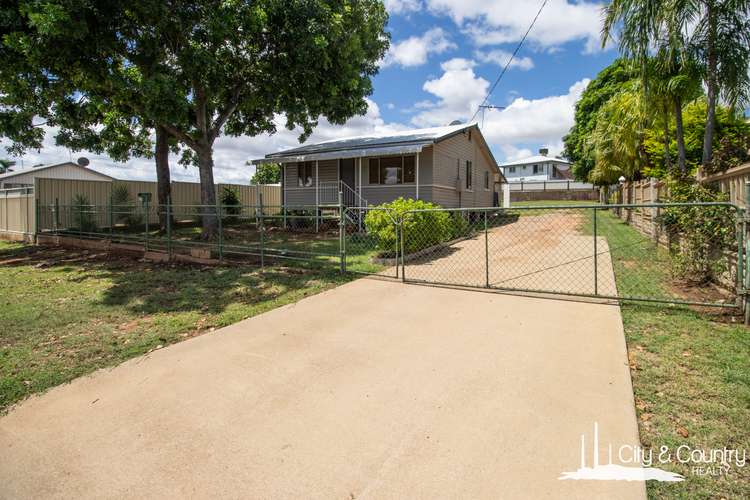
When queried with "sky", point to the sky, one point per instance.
{"points": [[443, 59]]}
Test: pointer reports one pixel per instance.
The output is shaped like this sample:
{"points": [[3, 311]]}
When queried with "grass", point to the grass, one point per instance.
{"points": [[66, 313], [690, 370]]}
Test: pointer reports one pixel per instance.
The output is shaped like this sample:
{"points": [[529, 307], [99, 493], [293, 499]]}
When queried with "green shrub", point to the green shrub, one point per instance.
{"points": [[460, 226], [703, 233], [422, 229], [124, 210], [230, 201], [84, 217]]}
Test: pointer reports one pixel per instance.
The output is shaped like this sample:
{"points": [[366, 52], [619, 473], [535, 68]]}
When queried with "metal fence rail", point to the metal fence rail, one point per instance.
{"points": [[622, 252]]}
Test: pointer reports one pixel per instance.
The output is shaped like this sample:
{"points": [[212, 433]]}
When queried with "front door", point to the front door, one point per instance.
{"points": [[346, 172]]}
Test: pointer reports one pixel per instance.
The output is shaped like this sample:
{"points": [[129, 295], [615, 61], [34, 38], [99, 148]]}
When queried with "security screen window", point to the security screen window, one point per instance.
{"points": [[408, 169], [392, 170], [305, 173]]}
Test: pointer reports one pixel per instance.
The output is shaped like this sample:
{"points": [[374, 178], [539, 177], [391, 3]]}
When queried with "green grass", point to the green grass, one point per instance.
{"points": [[690, 369], [64, 314]]}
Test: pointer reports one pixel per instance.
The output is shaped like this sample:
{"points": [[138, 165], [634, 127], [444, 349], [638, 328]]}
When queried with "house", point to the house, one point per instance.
{"points": [[537, 168], [67, 170], [451, 166]]}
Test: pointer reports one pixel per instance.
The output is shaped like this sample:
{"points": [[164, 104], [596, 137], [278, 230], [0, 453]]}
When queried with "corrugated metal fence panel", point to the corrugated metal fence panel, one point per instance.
{"points": [[186, 193], [65, 190], [17, 211]]}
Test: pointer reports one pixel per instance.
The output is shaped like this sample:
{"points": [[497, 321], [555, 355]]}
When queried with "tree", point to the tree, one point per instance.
{"points": [[203, 68], [267, 173], [720, 38], [610, 81], [5, 166]]}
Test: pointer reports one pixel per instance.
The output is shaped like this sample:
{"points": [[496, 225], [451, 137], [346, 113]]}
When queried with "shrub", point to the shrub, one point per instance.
{"points": [[422, 229], [230, 201], [124, 210], [704, 233], [84, 218]]}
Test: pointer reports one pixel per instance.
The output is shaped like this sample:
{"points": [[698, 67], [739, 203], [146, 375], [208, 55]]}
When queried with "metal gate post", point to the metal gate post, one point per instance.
{"points": [[342, 234], [169, 229], [262, 231], [596, 251], [486, 254], [148, 215], [403, 255], [221, 232]]}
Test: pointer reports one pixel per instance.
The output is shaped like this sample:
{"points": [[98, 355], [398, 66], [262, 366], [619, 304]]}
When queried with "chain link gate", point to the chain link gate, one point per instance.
{"points": [[620, 252]]}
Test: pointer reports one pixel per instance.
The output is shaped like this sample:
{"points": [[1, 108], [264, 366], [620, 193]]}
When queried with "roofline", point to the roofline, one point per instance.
{"points": [[527, 163], [25, 171], [291, 152]]}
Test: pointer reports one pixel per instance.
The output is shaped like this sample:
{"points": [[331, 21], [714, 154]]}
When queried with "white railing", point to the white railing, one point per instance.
{"points": [[556, 185], [328, 194]]}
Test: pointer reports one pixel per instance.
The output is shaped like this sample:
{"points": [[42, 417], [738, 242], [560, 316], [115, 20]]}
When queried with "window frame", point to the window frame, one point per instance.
{"points": [[469, 176], [377, 161], [486, 180], [302, 171]]}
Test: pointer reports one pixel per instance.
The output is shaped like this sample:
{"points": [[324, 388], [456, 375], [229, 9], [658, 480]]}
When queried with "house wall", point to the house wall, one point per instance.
{"points": [[526, 171], [449, 172], [65, 171]]}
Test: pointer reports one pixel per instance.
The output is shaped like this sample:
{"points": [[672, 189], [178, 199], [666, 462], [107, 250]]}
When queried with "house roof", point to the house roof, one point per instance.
{"points": [[34, 170], [404, 142], [534, 159]]}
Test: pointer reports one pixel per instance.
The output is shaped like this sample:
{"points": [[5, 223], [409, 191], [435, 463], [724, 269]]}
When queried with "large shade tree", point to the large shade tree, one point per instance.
{"points": [[196, 69]]}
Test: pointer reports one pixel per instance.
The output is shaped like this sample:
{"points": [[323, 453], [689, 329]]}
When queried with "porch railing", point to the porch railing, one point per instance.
{"points": [[328, 194]]}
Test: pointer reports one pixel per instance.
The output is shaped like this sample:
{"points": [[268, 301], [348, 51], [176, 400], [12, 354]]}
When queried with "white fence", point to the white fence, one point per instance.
{"points": [[559, 185]]}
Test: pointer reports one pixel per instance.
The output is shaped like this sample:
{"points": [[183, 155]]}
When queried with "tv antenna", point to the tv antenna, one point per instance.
{"points": [[484, 107]]}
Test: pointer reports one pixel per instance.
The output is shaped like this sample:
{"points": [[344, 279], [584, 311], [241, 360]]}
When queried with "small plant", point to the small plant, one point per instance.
{"points": [[422, 229], [703, 233], [230, 203], [123, 209], [84, 214]]}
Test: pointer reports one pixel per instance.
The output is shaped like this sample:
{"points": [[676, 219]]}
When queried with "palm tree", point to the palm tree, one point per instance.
{"points": [[650, 33], [5, 165], [719, 36]]}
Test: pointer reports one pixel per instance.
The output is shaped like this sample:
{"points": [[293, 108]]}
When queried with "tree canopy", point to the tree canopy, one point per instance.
{"points": [[198, 69], [267, 173]]}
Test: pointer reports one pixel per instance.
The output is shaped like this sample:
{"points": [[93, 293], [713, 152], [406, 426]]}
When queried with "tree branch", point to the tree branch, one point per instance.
{"points": [[224, 115], [180, 135]]}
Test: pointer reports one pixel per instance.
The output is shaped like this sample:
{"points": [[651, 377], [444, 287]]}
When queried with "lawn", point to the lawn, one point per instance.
{"points": [[66, 313], [690, 370]]}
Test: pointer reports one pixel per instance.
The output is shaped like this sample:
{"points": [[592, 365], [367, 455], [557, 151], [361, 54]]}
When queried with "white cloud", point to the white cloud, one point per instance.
{"points": [[414, 50], [459, 92], [230, 153], [491, 22], [541, 122], [501, 58], [402, 6]]}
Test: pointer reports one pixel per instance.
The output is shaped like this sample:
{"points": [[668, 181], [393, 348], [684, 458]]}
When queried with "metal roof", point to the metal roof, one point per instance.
{"points": [[34, 170], [408, 141], [534, 159]]}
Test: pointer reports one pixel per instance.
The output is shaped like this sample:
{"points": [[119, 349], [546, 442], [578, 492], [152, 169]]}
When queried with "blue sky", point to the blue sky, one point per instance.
{"points": [[444, 56]]}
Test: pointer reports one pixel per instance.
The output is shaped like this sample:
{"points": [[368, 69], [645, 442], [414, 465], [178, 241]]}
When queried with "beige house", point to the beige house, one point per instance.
{"points": [[67, 170], [451, 166]]}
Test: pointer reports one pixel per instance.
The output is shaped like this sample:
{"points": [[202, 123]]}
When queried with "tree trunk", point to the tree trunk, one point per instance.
{"points": [[208, 192], [711, 84], [680, 136], [667, 156], [163, 186]]}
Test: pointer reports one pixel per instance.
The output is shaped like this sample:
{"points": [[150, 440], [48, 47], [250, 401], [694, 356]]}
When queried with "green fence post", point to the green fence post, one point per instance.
{"points": [[221, 232], [169, 228], [56, 216], [403, 254], [596, 257], [486, 253], [111, 216], [148, 215], [746, 256], [342, 234], [262, 236]]}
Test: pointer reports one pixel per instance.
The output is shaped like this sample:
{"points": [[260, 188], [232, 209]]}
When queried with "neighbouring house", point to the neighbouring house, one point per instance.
{"points": [[451, 166], [67, 170], [537, 168]]}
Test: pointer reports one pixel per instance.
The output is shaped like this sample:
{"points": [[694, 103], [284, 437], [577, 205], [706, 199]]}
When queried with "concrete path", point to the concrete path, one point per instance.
{"points": [[373, 390]]}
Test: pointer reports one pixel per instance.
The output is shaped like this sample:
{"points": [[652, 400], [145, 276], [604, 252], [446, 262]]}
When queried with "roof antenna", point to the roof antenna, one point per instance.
{"points": [[484, 107]]}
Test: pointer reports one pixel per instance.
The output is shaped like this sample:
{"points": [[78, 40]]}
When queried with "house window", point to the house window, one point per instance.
{"points": [[468, 175], [536, 169], [392, 170], [486, 180], [512, 170], [305, 173]]}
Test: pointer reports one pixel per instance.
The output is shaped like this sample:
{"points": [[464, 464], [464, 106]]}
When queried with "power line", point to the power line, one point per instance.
{"points": [[507, 65]]}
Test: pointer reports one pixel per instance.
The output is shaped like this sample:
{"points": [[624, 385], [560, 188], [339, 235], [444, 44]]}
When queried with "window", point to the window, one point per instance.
{"points": [[392, 170], [536, 169], [468, 175], [305, 173], [512, 170], [486, 180]]}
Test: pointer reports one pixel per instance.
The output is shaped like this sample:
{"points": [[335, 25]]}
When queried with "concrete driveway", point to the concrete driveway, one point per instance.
{"points": [[375, 389]]}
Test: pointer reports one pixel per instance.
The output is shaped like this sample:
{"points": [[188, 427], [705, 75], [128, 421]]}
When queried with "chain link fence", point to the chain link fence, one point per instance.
{"points": [[691, 253]]}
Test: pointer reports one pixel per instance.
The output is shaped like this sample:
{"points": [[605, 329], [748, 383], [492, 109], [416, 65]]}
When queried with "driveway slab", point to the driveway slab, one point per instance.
{"points": [[375, 389]]}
